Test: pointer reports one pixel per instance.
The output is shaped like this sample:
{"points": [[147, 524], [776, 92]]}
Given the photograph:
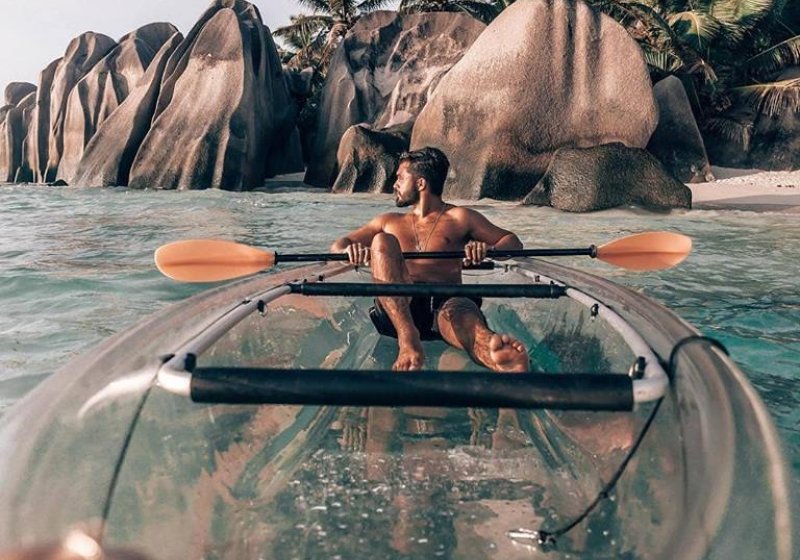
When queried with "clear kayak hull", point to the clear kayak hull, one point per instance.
{"points": [[102, 445]]}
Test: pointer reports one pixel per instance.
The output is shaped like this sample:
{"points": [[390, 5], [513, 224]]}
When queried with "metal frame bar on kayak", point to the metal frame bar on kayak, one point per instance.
{"points": [[654, 381]]}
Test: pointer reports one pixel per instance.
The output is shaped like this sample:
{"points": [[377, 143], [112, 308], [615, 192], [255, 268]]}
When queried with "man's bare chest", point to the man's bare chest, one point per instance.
{"points": [[428, 235]]}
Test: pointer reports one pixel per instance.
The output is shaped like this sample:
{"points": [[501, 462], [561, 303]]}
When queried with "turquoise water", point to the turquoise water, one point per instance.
{"points": [[76, 266]]}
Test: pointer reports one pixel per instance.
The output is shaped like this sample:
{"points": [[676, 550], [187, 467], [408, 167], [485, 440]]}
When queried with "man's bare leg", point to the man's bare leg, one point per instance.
{"points": [[462, 325], [388, 266]]}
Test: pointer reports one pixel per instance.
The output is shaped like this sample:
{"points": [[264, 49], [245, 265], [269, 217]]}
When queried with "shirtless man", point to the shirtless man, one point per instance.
{"points": [[431, 225]]}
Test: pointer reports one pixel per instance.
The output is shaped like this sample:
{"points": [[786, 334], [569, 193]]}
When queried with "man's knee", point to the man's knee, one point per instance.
{"points": [[385, 243], [454, 310]]}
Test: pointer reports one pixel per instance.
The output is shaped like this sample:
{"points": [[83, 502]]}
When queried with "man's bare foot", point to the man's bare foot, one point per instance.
{"points": [[508, 354], [409, 356]]}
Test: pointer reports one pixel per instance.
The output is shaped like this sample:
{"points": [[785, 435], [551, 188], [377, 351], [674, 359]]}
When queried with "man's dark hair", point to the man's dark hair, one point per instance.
{"points": [[429, 163]]}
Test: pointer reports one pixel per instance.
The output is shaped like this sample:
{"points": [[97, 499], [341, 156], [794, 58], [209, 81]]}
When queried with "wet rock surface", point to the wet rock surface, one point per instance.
{"points": [[589, 179]]}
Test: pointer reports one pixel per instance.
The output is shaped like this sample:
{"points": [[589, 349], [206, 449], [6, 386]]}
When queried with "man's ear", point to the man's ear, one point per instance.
{"points": [[421, 183]]}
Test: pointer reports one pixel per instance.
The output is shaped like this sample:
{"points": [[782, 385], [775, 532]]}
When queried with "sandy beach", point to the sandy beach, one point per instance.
{"points": [[749, 189]]}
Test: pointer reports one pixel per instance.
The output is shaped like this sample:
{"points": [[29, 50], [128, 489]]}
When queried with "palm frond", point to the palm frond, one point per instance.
{"points": [[772, 98], [323, 6], [304, 25], [695, 28], [738, 12], [665, 61], [777, 57], [731, 129], [371, 5]]}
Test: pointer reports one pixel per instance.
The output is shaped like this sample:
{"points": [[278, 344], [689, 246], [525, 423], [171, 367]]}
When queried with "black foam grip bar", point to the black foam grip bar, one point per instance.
{"points": [[575, 391], [433, 290], [590, 251]]}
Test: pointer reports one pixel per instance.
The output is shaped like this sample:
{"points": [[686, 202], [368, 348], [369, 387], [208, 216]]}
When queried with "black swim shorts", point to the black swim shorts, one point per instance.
{"points": [[423, 312]]}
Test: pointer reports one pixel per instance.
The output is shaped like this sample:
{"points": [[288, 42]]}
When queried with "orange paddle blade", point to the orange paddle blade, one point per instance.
{"points": [[210, 260], [646, 251]]}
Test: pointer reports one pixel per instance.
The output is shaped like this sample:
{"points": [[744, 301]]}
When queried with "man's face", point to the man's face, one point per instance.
{"points": [[405, 188]]}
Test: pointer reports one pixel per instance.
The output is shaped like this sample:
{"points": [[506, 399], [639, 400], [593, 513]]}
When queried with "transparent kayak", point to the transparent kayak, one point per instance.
{"points": [[633, 437]]}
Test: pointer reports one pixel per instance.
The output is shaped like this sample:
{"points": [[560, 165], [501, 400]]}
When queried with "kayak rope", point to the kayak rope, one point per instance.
{"points": [[549, 538]]}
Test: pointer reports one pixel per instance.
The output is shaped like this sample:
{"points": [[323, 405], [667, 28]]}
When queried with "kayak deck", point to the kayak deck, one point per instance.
{"points": [[283, 480]]}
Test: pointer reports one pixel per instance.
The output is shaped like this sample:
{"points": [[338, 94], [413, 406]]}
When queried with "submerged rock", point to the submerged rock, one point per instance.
{"points": [[677, 142], [223, 104], [368, 158], [98, 94], [545, 74], [382, 74], [584, 180], [109, 154]]}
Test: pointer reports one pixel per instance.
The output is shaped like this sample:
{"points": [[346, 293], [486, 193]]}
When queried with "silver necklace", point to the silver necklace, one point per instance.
{"points": [[430, 233]]}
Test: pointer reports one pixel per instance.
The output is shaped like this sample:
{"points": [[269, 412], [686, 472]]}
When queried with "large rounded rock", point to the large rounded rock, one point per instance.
{"points": [[677, 142], [37, 141], [14, 122], [368, 158], [17, 91], [382, 74], [82, 54], [545, 74], [584, 180], [223, 104], [109, 154], [98, 94]]}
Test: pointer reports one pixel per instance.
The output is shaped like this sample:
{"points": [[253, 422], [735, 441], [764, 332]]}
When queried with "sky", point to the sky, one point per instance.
{"points": [[35, 32]]}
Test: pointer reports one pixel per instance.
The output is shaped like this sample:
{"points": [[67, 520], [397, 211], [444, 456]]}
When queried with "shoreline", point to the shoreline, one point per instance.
{"points": [[750, 190]]}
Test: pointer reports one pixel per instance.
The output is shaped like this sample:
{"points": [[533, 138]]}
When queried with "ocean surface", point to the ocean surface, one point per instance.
{"points": [[76, 266]]}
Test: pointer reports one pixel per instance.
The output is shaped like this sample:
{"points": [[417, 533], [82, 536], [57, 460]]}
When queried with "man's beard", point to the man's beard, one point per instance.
{"points": [[403, 202]]}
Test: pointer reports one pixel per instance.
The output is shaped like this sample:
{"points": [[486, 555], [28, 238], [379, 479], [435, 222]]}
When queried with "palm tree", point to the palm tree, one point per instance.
{"points": [[312, 38], [725, 50]]}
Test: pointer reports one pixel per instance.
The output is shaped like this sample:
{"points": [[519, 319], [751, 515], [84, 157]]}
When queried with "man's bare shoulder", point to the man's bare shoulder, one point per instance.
{"points": [[464, 214]]}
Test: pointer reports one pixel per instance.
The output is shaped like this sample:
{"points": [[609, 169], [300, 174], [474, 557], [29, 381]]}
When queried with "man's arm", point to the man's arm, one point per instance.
{"points": [[485, 236], [363, 235], [356, 243]]}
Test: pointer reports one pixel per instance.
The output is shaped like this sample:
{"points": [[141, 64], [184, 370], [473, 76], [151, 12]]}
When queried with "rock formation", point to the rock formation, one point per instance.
{"points": [[98, 94], [17, 91], [109, 154], [677, 142], [368, 158], [222, 105], [14, 122], [545, 74], [382, 74], [584, 180], [82, 54], [37, 140]]}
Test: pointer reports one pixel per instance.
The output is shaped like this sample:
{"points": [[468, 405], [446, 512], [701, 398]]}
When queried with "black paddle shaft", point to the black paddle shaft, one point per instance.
{"points": [[590, 251]]}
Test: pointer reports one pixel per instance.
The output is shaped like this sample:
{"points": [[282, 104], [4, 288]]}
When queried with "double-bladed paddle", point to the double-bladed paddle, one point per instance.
{"points": [[212, 260]]}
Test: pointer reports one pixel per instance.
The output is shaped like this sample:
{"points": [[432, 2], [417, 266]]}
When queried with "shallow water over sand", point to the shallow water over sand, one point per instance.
{"points": [[76, 267]]}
